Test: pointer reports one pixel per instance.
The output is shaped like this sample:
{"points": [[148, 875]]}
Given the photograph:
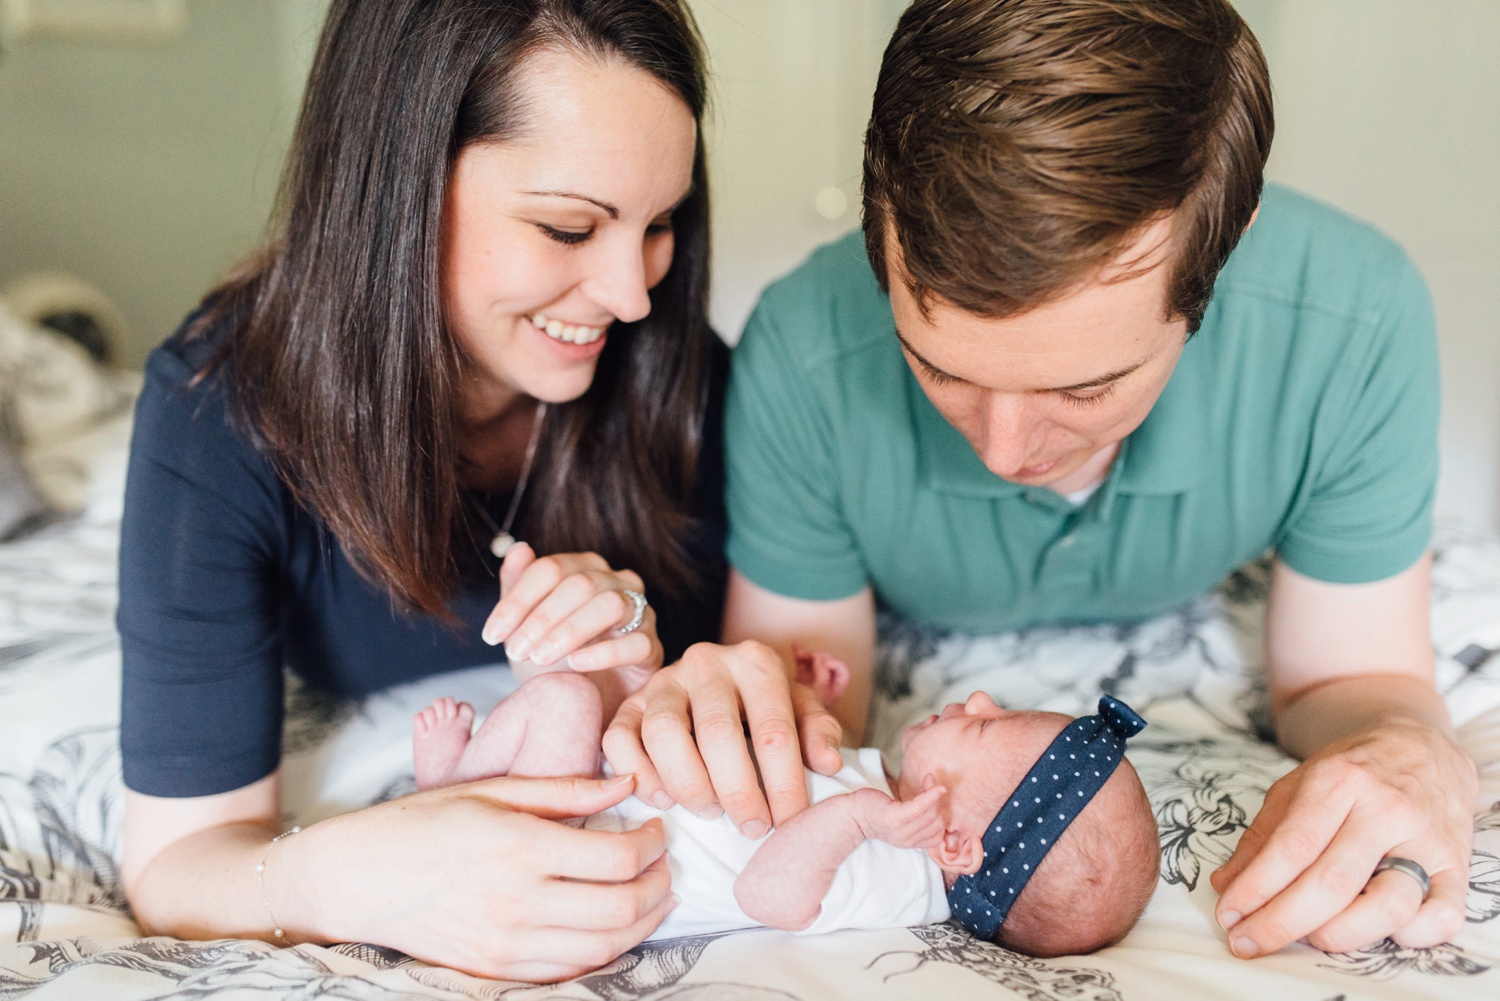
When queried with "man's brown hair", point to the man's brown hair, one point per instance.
{"points": [[1016, 146]]}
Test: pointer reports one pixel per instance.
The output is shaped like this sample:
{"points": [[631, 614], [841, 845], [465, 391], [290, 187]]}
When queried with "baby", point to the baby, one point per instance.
{"points": [[1018, 824]]}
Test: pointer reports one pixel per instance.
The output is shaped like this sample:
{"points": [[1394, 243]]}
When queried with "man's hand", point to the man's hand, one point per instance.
{"points": [[1351, 673], [1303, 868], [683, 737]]}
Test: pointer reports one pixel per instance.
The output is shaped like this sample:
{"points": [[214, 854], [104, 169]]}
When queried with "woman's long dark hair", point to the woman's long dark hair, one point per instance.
{"points": [[344, 369]]}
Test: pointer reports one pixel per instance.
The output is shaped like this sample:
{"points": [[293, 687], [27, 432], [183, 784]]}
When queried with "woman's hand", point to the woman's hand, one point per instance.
{"points": [[1303, 868], [563, 611], [476, 877], [683, 736]]}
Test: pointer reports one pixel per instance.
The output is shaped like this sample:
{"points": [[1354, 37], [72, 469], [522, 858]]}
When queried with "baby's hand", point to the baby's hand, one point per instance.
{"points": [[915, 823], [824, 673]]}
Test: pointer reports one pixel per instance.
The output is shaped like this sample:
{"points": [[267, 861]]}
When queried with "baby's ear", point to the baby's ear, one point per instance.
{"points": [[958, 852]]}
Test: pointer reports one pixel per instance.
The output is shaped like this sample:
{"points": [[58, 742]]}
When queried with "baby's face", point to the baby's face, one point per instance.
{"points": [[978, 752]]}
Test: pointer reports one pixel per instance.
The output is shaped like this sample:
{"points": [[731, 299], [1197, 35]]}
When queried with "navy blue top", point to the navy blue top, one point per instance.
{"points": [[224, 579]]}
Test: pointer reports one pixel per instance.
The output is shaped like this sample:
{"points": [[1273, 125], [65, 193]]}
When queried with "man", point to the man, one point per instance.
{"points": [[1044, 391]]}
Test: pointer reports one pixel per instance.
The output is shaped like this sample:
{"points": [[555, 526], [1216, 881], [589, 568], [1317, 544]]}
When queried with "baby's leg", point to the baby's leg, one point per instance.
{"points": [[550, 726]]}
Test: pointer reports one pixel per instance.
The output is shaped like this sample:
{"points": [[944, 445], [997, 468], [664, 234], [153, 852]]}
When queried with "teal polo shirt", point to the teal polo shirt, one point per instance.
{"points": [[1302, 418]]}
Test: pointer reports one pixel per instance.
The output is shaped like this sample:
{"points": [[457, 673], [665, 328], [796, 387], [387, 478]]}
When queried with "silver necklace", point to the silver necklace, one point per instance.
{"points": [[503, 540]]}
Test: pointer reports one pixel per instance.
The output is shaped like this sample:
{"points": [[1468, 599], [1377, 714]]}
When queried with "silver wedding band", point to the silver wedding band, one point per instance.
{"points": [[639, 601], [1406, 865]]}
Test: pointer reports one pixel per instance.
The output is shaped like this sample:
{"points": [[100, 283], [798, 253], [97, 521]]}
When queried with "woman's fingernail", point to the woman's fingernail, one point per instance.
{"points": [[755, 829], [491, 633], [620, 780], [1243, 948], [519, 648], [662, 801], [711, 812], [673, 901], [1229, 919], [544, 654]]}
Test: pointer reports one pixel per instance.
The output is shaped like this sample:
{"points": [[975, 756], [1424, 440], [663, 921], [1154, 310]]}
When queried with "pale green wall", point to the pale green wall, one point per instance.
{"points": [[147, 169]]}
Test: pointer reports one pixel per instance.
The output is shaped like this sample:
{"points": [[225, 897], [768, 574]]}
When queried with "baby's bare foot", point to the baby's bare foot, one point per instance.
{"points": [[439, 735]]}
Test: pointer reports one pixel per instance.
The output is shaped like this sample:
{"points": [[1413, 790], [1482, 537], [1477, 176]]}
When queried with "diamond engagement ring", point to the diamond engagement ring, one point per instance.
{"points": [[639, 601], [1406, 865]]}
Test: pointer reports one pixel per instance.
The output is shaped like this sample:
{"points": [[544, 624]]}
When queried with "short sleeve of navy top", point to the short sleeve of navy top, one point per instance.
{"points": [[225, 580]]}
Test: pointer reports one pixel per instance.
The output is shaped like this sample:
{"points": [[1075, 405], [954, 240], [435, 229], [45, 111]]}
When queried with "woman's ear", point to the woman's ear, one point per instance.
{"points": [[958, 853]]}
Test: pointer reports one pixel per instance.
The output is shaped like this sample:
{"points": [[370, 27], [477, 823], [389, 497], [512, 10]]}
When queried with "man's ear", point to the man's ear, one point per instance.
{"points": [[958, 852]]}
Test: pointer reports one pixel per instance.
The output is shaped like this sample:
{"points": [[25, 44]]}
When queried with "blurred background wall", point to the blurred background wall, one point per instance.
{"points": [[148, 166]]}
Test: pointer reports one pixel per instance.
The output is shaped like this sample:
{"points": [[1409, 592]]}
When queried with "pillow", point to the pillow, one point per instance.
{"points": [[50, 389], [21, 506]]}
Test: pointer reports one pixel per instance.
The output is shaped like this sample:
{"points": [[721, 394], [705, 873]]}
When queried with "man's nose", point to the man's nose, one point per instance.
{"points": [[1008, 429]]}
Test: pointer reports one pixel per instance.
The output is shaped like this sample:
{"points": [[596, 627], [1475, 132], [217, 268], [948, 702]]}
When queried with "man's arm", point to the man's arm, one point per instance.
{"points": [[844, 628], [790, 874], [1351, 673]]}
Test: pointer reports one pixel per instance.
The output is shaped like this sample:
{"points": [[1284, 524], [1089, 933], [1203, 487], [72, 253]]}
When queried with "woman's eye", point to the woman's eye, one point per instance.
{"points": [[565, 236]]}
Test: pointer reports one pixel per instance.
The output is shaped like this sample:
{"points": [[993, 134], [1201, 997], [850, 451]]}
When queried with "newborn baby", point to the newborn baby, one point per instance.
{"points": [[994, 816]]}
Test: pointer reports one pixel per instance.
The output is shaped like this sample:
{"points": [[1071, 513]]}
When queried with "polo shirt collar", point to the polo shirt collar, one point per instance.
{"points": [[1167, 454]]}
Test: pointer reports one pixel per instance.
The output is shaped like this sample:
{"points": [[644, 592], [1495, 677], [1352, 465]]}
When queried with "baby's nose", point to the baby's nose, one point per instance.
{"points": [[979, 702]]}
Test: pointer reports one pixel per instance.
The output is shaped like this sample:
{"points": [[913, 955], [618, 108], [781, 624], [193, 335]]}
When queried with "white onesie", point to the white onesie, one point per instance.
{"points": [[877, 886]]}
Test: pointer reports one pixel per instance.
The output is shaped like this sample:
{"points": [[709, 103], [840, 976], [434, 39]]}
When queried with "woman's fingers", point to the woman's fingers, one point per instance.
{"points": [[553, 798], [561, 953], [608, 906], [639, 647], [538, 577], [581, 609]]}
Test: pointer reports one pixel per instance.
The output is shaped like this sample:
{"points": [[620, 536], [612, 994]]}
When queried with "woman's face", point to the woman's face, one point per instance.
{"points": [[553, 235]]}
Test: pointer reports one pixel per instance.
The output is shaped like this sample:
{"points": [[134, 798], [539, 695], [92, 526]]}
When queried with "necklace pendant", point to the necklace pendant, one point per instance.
{"points": [[502, 544]]}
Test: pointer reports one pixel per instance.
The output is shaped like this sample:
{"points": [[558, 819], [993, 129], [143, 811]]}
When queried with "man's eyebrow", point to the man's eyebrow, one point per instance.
{"points": [[1102, 380], [929, 366]]}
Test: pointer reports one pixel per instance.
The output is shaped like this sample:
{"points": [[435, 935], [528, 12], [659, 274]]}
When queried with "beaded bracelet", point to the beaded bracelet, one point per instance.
{"points": [[260, 876]]}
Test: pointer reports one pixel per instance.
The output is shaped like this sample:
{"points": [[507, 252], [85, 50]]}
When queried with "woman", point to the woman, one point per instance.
{"points": [[481, 317]]}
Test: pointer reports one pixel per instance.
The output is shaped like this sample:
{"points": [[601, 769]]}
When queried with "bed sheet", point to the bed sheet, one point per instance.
{"points": [[65, 931]]}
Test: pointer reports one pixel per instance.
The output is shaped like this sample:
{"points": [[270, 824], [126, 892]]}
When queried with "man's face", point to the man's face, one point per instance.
{"points": [[1044, 397]]}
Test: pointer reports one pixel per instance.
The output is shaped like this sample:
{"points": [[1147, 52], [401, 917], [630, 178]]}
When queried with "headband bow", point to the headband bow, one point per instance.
{"points": [[1072, 769]]}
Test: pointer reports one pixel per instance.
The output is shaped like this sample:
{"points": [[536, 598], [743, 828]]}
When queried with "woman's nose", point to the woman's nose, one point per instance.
{"points": [[619, 284]]}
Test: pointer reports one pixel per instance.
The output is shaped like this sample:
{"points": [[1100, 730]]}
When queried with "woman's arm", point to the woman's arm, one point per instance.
{"points": [[476, 877], [1351, 671]]}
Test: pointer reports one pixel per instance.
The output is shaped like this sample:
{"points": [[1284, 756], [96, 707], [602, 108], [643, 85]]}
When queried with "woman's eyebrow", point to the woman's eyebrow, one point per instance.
{"points": [[613, 212]]}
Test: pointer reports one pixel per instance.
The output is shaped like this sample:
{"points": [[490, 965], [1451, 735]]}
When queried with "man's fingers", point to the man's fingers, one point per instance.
{"points": [[1385, 906], [720, 732], [1442, 917], [819, 732], [1296, 836], [626, 753], [666, 734]]}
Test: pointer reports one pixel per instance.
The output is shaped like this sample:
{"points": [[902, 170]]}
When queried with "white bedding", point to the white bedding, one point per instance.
{"points": [[65, 932]]}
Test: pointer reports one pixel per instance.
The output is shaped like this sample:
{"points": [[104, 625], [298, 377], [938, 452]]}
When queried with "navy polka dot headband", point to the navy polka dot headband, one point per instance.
{"points": [[1072, 769]]}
